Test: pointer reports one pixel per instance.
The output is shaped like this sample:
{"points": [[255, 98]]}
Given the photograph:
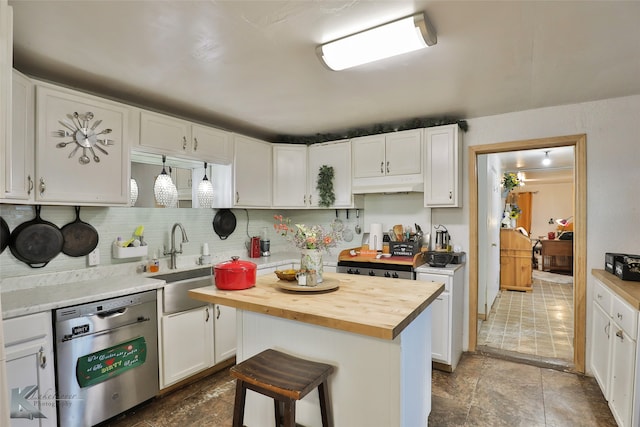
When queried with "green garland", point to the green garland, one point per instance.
{"points": [[325, 186], [373, 130]]}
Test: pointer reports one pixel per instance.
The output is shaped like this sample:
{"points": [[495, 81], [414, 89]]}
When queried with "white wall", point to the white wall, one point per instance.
{"points": [[612, 127]]}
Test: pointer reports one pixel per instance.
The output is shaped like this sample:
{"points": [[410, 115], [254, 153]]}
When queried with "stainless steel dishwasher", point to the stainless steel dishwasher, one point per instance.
{"points": [[106, 357]]}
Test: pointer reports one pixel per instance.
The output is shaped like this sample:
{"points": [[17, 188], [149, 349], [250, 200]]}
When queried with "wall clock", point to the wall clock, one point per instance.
{"points": [[84, 135]]}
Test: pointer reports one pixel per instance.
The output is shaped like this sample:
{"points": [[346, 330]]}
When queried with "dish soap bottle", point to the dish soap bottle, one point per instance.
{"points": [[154, 265]]}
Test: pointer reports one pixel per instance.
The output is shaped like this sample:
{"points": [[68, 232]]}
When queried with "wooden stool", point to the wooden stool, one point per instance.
{"points": [[286, 379]]}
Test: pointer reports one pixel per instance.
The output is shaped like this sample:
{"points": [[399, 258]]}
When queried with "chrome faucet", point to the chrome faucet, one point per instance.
{"points": [[173, 252]]}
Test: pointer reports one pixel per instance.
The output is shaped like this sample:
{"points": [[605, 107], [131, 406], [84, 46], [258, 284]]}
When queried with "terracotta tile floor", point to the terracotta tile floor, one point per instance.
{"points": [[539, 323], [483, 391]]}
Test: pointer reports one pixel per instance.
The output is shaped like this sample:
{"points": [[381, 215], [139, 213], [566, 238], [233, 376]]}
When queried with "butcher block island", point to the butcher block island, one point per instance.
{"points": [[375, 331]]}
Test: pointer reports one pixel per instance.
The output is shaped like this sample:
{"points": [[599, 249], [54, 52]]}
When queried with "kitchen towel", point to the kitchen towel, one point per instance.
{"points": [[375, 237]]}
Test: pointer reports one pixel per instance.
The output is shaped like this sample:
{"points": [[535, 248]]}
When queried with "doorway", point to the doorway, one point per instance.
{"points": [[579, 242]]}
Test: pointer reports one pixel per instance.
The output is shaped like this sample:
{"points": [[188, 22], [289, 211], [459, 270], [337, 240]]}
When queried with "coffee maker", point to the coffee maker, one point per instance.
{"points": [[443, 240], [265, 243]]}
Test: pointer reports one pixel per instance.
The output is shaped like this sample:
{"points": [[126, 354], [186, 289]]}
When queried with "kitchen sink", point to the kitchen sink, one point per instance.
{"points": [[175, 296]]}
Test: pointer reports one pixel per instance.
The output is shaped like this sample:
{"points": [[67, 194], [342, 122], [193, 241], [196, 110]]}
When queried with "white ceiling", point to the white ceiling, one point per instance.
{"points": [[251, 67]]}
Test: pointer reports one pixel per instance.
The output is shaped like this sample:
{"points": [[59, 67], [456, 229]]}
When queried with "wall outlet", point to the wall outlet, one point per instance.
{"points": [[94, 257]]}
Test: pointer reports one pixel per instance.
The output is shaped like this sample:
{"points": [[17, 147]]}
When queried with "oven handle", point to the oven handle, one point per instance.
{"points": [[139, 320]]}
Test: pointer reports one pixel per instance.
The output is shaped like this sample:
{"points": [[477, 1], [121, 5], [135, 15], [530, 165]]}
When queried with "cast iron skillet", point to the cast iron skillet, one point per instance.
{"points": [[80, 238], [36, 242], [224, 223], [4, 234]]}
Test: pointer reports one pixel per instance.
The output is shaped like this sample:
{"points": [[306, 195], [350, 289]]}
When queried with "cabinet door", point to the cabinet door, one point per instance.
{"points": [[19, 162], [211, 144], [252, 172], [30, 369], [60, 176], [623, 357], [225, 332], [403, 153], [289, 175], [440, 330], [338, 155], [368, 156], [600, 347], [187, 343], [442, 176], [166, 133]]}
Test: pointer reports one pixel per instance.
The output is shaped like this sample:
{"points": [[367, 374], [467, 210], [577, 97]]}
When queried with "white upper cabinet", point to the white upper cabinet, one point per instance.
{"points": [[19, 150], [388, 162], [338, 155], [165, 133], [78, 160], [169, 135], [290, 187], [6, 62], [252, 170], [211, 144], [442, 166]]}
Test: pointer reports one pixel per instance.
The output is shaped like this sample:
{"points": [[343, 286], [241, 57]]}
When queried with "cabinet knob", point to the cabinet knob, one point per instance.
{"points": [[206, 319], [387, 167], [184, 143], [619, 334], [30, 187], [217, 311], [599, 296], [450, 195], [195, 144], [237, 197], [381, 167], [620, 316], [310, 202], [43, 186]]}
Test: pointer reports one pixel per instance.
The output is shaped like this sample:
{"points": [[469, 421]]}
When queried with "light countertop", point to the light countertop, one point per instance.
{"points": [[373, 306]]}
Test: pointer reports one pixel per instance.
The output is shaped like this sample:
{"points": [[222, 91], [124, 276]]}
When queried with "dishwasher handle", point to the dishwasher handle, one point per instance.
{"points": [[112, 313]]}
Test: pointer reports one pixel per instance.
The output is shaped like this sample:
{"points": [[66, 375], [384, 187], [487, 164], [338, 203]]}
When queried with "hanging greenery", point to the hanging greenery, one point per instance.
{"points": [[325, 186], [374, 129]]}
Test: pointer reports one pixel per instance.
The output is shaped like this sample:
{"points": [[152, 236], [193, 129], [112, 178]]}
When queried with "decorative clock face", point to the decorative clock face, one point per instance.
{"points": [[84, 135]]}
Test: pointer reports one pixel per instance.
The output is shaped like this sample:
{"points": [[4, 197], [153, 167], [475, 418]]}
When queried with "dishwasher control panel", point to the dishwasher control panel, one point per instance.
{"points": [[103, 306]]}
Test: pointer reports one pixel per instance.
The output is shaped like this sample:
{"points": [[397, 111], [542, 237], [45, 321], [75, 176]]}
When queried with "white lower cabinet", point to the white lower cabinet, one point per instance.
{"points": [[224, 332], [614, 338], [28, 342], [446, 315], [186, 343]]}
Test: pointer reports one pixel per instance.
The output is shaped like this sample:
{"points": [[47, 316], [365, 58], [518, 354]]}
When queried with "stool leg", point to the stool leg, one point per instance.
{"points": [[325, 405], [289, 413], [277, 409], [238, 406]]}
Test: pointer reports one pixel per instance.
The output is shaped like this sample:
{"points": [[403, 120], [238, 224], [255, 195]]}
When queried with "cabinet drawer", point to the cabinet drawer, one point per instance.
{"points": [[625, 316], [603, 296], [26, 328], [438, 278]]}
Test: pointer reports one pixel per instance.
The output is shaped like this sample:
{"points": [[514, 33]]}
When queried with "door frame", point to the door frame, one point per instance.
{"points": [[579, 142]]}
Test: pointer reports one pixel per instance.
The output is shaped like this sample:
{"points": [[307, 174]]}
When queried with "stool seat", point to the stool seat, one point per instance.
{"points": [[284, 378]]}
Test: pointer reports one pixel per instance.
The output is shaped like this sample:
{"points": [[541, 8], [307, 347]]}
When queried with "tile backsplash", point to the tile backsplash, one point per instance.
{"points": [[114, 222]]}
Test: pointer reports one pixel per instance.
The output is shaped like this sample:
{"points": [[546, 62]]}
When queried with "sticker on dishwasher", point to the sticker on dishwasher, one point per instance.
{"points": [[97, 367]]}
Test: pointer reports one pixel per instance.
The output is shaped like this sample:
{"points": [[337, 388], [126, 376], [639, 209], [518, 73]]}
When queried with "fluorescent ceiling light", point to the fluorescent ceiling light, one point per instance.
{"points": [[391, 39]]}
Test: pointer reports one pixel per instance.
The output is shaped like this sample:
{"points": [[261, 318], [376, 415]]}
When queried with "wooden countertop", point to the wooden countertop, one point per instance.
{"points": [[373, 306], [626, 289]]}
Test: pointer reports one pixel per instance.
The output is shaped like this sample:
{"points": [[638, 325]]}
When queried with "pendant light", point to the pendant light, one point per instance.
{"points": [[205, 191], [133, 192], [164, 189], [546, 161]]}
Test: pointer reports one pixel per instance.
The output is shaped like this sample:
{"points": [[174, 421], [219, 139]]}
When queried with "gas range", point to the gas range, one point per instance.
{"points": [[397, 267]]}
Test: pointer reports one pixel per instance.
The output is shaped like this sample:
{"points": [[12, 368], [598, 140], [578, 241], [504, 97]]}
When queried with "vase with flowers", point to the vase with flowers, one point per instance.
{"points": [[312, 240]]}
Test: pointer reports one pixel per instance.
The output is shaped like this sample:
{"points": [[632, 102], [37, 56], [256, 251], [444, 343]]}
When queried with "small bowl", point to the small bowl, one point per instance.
{"points": [[288, 275]]}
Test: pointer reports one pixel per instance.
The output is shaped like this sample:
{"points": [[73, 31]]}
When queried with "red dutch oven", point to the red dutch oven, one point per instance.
{"points": [[235, 274]]}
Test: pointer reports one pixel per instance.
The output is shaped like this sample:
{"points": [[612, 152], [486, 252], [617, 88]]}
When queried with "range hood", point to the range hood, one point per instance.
{"points": [[388, 184]]}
